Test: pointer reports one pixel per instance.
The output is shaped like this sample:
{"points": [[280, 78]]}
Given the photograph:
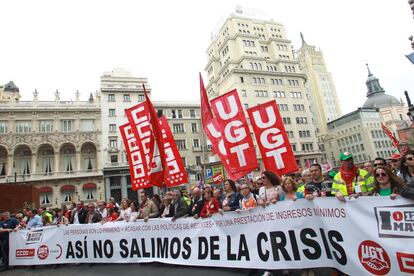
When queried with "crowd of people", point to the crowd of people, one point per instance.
{"points": [[392, 177]]}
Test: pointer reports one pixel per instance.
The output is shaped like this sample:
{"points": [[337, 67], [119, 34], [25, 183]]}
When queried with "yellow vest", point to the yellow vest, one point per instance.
{"points": [[364, 182]]}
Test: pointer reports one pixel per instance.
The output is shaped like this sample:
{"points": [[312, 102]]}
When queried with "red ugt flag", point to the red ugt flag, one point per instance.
{"points": [[272, 138], [394, 140]]}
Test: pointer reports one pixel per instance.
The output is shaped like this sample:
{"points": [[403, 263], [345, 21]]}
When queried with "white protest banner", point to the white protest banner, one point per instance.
{"points": [[365, 236]]}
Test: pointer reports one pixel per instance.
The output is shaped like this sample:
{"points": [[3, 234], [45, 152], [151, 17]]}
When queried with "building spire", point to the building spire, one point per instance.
{"points": [[369, 71], [303, 39]]}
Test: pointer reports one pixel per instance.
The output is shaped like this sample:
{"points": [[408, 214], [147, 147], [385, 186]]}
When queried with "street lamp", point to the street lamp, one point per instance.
{"points": [[410, 106]]}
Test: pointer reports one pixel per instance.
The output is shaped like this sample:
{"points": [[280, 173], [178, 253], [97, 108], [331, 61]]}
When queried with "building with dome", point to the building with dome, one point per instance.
{"points": [[392, 110], [360, 131]]}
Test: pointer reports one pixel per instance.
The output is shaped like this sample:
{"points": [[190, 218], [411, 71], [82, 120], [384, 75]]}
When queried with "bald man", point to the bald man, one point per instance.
{"points": [[197, 203]]}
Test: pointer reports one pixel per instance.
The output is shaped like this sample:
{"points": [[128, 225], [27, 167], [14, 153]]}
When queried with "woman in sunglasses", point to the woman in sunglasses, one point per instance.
{"points": [[271, 189], [386, 183], [407, 167]]}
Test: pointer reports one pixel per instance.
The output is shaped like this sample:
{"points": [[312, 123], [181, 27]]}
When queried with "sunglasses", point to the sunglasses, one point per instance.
{"points": [[409, 158], [380, 174]]}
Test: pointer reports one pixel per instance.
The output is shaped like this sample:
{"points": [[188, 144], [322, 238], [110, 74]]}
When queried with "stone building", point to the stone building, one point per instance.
{"points": [[54, 146]]}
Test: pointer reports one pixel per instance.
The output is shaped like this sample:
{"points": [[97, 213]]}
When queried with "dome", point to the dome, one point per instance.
{"points": [[379, 100], [11, 87]]}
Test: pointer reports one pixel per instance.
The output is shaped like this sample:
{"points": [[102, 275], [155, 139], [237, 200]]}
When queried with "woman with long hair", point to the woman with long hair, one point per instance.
{"points": [[125, 213], [407, 167], [271, 189], [386, 183], [231, 197]]}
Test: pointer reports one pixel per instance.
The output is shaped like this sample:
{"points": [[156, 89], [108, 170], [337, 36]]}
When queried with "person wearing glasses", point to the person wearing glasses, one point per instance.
{"points": [[248, 200], [386, 183], [407, 167], [395, 163], [379, 161], [350, 181], [271, 189]]}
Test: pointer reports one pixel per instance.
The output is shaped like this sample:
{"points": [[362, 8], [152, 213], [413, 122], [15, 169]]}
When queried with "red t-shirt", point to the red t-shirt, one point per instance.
{"points": [[210, 207]]}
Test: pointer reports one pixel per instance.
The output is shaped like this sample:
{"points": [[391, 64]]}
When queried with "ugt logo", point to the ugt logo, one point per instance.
{"points": [[374, 258], [395, 221]]}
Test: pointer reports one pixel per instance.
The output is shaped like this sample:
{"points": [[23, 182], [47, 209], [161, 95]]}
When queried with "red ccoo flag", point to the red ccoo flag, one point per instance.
{"points": [[394, 140], [156, 128]]}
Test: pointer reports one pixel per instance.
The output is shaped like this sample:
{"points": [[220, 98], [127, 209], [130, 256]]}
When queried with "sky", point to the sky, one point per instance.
{"points": [[67, 45]]}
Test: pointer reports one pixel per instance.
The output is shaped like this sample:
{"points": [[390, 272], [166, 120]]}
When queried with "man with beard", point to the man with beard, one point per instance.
{"points": [[349, 181], [318, 186]]}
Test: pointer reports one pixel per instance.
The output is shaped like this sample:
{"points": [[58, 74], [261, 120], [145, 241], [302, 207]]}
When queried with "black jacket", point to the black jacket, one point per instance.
{"points": [[179, 208], [195, 207], [408, 190]]}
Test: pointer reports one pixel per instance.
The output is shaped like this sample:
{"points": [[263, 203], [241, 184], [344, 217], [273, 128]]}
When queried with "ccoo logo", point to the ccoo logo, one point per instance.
{"points": [[374, 258]]}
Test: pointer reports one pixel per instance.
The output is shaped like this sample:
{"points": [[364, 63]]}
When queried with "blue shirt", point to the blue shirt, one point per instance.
{"points": [[10, 223], [35, 221], [283, 196]]}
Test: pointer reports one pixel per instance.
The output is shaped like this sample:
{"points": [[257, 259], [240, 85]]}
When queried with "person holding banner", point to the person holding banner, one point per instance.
{"points": [[386, 183], [134, 211], [290, 187], [407, 167], [230, 200], [211, 205], [271, 189], [197, 203], [125, 213], [166, 209], [147, 209], [349, 181], [179, 207], [249, 200]]}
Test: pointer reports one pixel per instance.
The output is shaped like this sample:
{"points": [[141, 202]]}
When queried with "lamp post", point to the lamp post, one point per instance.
{"points": [[410, 106]]}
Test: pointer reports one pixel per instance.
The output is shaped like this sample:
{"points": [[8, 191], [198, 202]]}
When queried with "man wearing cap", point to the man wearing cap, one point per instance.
{"points": [[350, 181]]}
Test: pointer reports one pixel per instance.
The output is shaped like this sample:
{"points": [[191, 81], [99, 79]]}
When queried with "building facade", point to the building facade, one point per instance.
{"points": [[119, 91], [359, 133], [54, 146], [320, 86], [256, 58]]}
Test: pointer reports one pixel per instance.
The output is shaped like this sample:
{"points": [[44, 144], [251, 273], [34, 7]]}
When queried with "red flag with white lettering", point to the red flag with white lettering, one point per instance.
{"points": [[272, 138], [394, 140], [139, 120], [136, 158], [236, 134], [212, 130], [175, 167]]}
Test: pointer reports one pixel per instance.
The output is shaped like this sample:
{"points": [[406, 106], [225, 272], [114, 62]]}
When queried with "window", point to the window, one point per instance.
{"points": [[307, 147], [114, 158], [68, 125], [3, 127], [194, 127], [282, 107], [141, 98], [279, 94], [87, 125], [246, 106], [89, 194], [286, 121], [183, 160], [127, 98], [192, 113], [113, 143], [304, 133], [112, 127], [198, 161], [112, 112], [46, 126], [178, 128], [293, 147], [298, 107], [45, 198], [196, 143], [290, 134], [244, 93], [181, 145], [180, 113], [295, 94], [111, 97], [301, 120], [23, 126], [241, 79], [173, 115], [67, 196], [261, 93]]}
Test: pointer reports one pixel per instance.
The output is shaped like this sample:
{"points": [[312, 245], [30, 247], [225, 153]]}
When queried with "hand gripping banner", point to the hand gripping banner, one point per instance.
{"points": [[272, 139], [136, 158], [233, 126], [141, 127], [212, 130]]}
